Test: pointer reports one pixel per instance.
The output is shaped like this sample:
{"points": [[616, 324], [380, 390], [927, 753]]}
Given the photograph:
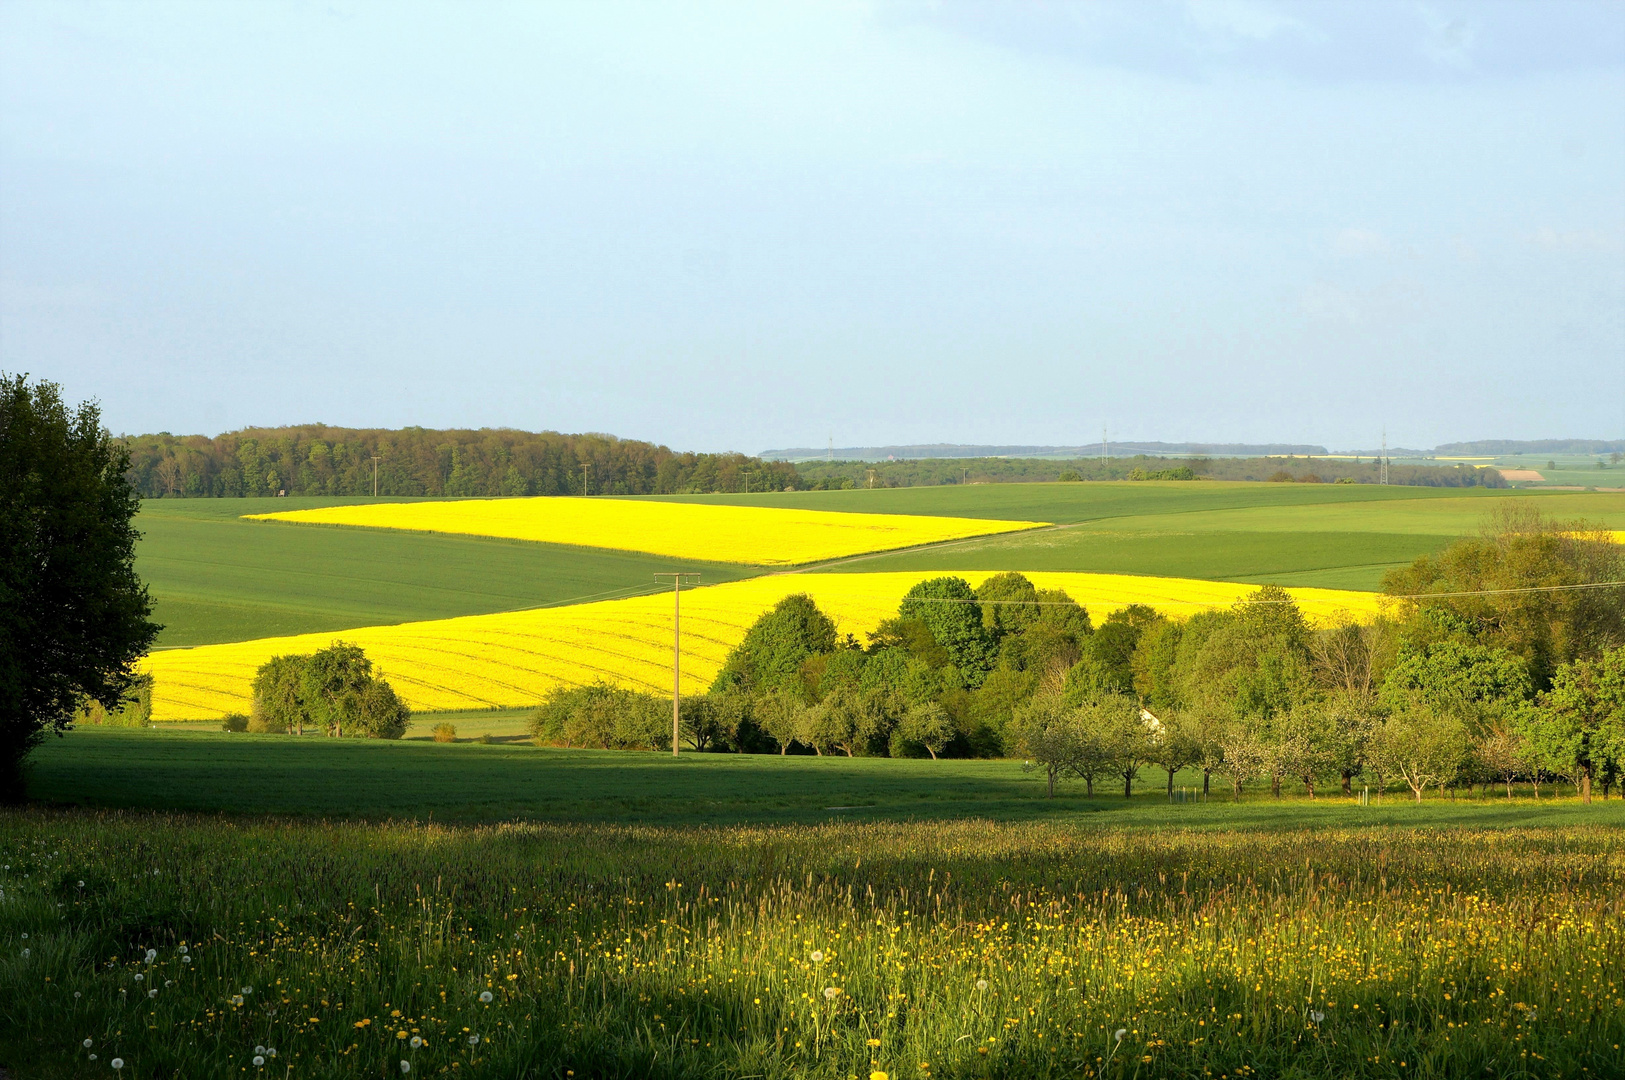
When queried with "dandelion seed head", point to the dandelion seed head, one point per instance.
{"points": [[152, 993], [87, 1044], [259, 1049], [817, 956], [259, 1060], [981, 984], [1120, 1033], [1317, 1017], [152, 954], [416, 1042], [831, 993], [485, 997], [117, 1063], [473, 1040], [139, 976], [406, 1066]]}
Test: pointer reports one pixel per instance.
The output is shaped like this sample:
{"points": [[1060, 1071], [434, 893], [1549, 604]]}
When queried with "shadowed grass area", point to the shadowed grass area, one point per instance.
{"points": [[466, 781]]}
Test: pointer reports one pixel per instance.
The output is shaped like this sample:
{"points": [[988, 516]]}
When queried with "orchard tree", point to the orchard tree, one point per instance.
{"points": [[930, 726], [1579, 727], [73, 613], [279, 697], [1423, 744]]}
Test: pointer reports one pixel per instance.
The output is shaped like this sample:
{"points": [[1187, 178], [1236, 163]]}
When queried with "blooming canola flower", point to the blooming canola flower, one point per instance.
{"points": [[755, 535], [512, 659]]}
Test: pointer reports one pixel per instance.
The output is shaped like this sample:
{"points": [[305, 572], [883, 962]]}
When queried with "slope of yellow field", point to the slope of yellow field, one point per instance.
{"points": [[512, 659], [760, 536]]}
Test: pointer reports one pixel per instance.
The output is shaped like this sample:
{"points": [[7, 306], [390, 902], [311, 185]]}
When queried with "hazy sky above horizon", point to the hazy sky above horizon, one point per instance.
{"points": [[748, 226]]}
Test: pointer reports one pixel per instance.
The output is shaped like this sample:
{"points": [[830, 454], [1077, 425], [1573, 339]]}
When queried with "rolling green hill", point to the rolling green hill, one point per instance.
{"points": [[1325, 535], [218, 578]]}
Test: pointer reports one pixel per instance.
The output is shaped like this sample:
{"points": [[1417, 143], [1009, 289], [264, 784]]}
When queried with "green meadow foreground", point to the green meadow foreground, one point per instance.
{"points": [[714, 916]]}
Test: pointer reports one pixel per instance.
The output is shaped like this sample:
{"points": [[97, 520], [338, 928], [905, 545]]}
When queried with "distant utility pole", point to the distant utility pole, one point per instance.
{"points": [[677, 577], [375, 476], [831, 456], [586, 486], [1105, 447], [1382, 477]]}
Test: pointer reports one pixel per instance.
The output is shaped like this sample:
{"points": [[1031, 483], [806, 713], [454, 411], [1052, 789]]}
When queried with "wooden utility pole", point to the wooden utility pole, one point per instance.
{"points": [[375, 476], [677, 577]]}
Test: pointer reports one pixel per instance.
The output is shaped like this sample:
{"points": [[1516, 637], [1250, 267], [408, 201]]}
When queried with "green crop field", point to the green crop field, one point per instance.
{"points": [[218, 578], [1326, 535], [628, 915]]}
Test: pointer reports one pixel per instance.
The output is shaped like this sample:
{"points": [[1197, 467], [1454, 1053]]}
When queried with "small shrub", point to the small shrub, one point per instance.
{"points": [[234, 722], [134, 712], [486, 740], [445, 733], [261, 722]]}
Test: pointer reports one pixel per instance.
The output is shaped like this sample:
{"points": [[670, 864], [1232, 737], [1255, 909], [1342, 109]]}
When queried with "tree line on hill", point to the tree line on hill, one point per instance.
{"points": [[1501, 661], [930, 471], [319, 460]]}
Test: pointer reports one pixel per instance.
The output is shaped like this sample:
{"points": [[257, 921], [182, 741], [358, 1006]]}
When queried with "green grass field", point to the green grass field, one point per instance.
{"points": [[217, 578], [213, 772], [627, 915], [1327, 535]]}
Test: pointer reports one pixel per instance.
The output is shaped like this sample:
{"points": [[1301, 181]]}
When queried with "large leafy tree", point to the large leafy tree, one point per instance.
{"points": [[776, 645], [73, 613], [1537, 587], [950, 610], [1580, 727]]}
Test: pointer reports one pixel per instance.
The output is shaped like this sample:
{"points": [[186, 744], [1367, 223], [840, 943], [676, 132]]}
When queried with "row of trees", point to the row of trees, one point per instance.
{"points": [[920, 472], [1502, 659], [319, 460], [334, 691]]}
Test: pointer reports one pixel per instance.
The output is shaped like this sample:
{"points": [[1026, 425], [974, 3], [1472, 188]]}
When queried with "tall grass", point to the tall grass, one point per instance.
{"points": [[965, 949]]}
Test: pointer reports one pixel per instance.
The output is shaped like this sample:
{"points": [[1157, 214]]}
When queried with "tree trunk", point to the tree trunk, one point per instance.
{"points": [[1585, 785], [1206, 773], [1509, 786], [1171, 783], [933, 754], [1128, 787], [1348, 783], [1275, 785], [1089, 786], [1309, 786], [1051, 781], [783, 749]]}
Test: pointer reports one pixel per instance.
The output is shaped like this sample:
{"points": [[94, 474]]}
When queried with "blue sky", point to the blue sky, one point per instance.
{"points": [[761, 225]]}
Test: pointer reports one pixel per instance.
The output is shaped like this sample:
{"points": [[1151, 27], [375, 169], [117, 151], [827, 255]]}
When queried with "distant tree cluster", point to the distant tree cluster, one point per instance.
{"points": [[318, 460], [1503, 660], [924, 472], [333, 691]]}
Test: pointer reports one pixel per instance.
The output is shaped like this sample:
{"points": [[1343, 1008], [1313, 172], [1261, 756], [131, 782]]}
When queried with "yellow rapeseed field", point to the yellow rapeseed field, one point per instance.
{"points": [[511, 659], [760, 536]]}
